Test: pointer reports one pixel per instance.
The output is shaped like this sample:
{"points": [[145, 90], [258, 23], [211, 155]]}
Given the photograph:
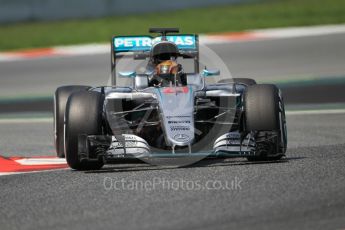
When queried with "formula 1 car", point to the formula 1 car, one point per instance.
{"points": [[165, 112]]}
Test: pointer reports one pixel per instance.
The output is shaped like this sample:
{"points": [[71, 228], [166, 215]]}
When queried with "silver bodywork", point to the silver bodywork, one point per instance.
{"points": [[176, 108]]}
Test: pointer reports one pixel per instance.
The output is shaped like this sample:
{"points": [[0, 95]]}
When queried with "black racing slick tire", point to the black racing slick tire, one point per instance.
{"points": [[83, 117], [261, 106], [246, 81], [60, 100], [265, 114]]}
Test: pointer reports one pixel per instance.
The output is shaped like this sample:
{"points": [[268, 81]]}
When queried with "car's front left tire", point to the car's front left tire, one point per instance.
{"points": [[83, 117], [265, 115]]}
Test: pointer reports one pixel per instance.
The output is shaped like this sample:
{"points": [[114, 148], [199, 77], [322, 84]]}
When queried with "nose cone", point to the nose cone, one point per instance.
{"points": [[177, 110]]}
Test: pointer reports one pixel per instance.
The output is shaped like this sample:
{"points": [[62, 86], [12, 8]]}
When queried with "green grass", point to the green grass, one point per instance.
{"points": [[264, 14]]}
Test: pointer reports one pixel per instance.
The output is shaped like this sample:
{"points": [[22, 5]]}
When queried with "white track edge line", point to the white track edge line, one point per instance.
{"points": [[316, 112], [28, 172]]}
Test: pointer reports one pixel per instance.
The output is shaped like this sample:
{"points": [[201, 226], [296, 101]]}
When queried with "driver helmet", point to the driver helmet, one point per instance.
{"points": [[164, 51]]}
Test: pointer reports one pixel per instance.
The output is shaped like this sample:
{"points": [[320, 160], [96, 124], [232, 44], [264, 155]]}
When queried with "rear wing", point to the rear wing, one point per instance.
{"points": [[139, 47]]}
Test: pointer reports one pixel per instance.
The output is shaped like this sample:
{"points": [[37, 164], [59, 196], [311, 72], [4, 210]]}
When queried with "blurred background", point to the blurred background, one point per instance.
{"points": [[297, 44], [29, 29], [43, 23]]}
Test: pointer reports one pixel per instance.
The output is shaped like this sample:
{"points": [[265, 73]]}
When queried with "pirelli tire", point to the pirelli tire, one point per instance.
{"points": [[265, 115], [83, 117], [60, 100], [246, 81]]}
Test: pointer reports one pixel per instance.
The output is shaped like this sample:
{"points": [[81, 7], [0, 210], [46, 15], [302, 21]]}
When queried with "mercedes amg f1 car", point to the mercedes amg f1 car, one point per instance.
{"points": [[165, 112]]}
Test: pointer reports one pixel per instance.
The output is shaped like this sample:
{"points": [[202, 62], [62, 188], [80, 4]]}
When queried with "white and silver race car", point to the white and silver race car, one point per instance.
{"points": [[166, 114]]}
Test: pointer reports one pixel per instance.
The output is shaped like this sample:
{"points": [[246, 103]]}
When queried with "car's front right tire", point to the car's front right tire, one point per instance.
{"points": [[60, 100], [83, 116]]}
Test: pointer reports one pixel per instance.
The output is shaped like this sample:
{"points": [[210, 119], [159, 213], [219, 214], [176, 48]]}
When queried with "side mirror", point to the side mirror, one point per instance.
{"points": [[207, 73], [130, 74]]}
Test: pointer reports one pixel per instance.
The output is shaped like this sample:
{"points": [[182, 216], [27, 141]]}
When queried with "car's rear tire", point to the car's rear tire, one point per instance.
{"points": [[60, 100], [246, 81], [83, 116], [265, 114]]}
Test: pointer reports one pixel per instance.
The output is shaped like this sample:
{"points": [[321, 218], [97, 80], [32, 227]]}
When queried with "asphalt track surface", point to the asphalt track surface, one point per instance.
{"points": [[265, 61], [261, 60], [304, 191]]}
